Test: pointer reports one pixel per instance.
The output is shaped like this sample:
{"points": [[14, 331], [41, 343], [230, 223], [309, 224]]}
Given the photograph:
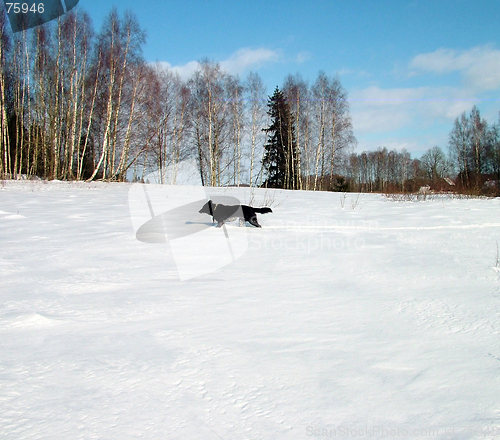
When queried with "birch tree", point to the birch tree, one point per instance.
{"points": [[75, 38], [320, 103], [297, 92], [166, 110], [210, 121], [119, 45], [234, 91], [256, 97], [5, 47], [341, 131]]}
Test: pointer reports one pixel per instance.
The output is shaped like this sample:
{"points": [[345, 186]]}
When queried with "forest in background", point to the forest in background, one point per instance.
{"points": [[81, 105]]}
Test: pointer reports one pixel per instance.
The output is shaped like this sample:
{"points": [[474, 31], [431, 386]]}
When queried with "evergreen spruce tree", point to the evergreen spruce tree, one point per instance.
{"points": [[281, 155]]}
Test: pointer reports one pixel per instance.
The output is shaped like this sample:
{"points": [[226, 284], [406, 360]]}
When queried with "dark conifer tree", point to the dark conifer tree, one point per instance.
{"points": [[281, 155]]}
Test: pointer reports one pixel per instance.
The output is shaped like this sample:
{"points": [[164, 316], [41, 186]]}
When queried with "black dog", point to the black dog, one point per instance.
{"points": [[227, 213]]}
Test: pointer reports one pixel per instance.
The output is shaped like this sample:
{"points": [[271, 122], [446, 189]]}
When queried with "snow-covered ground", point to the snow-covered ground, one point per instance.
{"points": [[355, 318]]}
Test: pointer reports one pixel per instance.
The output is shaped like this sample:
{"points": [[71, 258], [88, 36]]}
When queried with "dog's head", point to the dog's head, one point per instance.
{"points": [[207, 208]]}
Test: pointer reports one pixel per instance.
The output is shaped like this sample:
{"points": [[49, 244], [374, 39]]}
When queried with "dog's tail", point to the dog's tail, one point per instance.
{"points": [[262, 210]]}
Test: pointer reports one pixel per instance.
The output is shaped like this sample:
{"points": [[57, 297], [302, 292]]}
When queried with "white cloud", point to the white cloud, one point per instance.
{"points": [[410, 144], [185, 71], [479, 66], [421, 117], [354, 73], [246, 58], [376, 110], [376, 96], [239, 62], [302, 57]]}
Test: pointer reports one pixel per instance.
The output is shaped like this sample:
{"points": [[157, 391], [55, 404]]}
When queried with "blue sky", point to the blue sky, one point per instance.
{"points": [[409, 67]]}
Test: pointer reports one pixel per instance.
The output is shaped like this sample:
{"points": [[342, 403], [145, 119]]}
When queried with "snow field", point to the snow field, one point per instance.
{"points": [[377, 314]]}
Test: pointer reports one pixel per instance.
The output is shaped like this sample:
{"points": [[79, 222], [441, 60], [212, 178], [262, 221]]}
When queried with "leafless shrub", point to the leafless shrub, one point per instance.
{"points": [[342, 199], [401, 197], [457, 196], [355, 202], [408, 197], [269, 199], [423, 196]]}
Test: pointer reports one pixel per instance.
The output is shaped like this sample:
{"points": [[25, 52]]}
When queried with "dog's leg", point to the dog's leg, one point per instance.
{"points": [[253, 221]]}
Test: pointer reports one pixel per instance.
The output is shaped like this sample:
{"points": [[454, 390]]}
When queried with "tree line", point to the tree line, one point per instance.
{"points": [[76, 104], [471, 163], [81, 105], [474, 148]]}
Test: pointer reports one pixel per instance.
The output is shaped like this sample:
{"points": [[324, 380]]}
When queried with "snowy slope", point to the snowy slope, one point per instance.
{"points": [[378, 319]]}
